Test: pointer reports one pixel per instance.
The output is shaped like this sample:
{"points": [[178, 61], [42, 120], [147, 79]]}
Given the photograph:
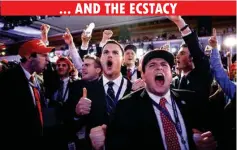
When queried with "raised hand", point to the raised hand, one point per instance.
{"points": [[85, 39], [45, 28], [44, 32], [83, 107], [213, 41], [68, 37], [107, 34]]}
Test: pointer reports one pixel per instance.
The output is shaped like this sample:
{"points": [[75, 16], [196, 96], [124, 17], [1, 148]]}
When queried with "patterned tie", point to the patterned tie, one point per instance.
{"points": [[129, 74], [37, 99], [110, 97], [171, 137]]}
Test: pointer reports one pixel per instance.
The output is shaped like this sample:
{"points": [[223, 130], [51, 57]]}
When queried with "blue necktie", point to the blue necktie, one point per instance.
{"points": [[110, 97]]}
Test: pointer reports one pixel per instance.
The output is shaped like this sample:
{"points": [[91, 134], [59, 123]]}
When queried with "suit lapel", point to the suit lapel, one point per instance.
{"points": [[150, 122], [129, 87]]}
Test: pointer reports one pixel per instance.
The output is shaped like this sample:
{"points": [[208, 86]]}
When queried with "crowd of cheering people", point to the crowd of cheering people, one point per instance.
{"points": [[108, 101]]}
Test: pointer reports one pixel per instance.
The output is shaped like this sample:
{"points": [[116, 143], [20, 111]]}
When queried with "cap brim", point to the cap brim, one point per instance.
{"points": [[46, 50], [169, 57]]}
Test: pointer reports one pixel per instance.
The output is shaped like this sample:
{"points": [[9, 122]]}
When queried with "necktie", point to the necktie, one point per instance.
{"points": [[129, 74], [60, 92], [37, 99], [110, 97], [183, 83], [171, 137]]}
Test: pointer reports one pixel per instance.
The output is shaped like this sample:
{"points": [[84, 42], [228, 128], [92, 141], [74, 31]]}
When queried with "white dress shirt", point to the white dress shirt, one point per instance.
{"points": [[168, 105], [116, 85]]}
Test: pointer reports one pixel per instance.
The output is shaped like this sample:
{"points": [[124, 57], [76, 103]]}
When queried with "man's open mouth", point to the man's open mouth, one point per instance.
{"points": [[109, 63], [160, 79]]}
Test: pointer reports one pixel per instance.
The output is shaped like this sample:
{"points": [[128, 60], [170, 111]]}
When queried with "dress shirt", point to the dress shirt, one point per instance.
{"points": [[169, 107]]}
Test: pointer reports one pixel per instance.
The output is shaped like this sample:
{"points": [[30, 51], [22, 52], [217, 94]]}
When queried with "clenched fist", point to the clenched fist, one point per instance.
{"points": [[97, 136]]}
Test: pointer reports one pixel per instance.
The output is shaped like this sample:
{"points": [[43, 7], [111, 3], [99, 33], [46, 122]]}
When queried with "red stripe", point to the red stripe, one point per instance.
{"points": [[188, 8]]}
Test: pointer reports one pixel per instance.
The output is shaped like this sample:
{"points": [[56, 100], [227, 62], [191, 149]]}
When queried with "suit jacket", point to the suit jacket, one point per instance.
{"points": [[229, 138], [200, 78], [98, 114], [135, 126], [58, 123], [20, 117], [124, 72]]}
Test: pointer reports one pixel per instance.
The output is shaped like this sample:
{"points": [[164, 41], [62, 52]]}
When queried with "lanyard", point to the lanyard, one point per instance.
{"points": [[176, 123], [119, 91], [134, 72]]}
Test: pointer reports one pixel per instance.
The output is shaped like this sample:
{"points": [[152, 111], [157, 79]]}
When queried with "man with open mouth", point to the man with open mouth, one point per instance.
{"points": [[158, 116], [95, 108]]}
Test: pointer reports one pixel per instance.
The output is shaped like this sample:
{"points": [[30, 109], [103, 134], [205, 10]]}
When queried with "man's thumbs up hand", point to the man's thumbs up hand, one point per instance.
{"points": [[84, 105]]}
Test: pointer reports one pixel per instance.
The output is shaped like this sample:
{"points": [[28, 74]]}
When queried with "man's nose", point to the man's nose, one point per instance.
{"points": [[159, 67]]}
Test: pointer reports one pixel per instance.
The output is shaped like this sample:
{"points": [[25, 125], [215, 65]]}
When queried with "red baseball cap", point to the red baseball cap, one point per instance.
{"points": [[34, 46]]}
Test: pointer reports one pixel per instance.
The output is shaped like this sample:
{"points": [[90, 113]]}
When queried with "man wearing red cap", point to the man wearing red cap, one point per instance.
{"points": [[21, 95]]}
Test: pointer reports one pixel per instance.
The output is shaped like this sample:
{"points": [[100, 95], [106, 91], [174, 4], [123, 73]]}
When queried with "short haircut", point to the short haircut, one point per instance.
{"points": [[95, 58], [132, 47], [24, 59], [114, 42], [184, 45]]}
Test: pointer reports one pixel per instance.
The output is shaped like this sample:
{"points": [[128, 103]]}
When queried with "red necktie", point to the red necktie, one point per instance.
{"points": [[37, 99], [129, 74], [171, 137]]}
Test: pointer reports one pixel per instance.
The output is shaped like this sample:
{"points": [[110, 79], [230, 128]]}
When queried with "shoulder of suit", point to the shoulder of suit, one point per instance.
{"points": [[133, 94], [12, 72], [183, 92]]}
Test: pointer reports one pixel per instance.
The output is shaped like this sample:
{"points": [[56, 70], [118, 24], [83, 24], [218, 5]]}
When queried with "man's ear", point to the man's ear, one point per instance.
{"points": [[190, 59], [98, 70], [142, 76]]}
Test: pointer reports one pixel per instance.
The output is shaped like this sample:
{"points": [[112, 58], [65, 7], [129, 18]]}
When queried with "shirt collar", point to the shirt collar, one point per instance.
{"points": [[132, 68], [66, 80], [117, 81], [156, 98], [27, 74]]}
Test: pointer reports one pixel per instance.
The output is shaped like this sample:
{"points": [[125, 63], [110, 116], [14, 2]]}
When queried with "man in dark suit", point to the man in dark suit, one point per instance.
{"points": [[157, 117], [56, 124], [95, 107], [196, 74], [21, 95], [129, 69]]}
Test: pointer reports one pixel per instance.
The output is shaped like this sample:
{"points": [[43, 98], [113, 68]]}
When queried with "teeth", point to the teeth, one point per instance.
{"points": [[159, 74]]}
